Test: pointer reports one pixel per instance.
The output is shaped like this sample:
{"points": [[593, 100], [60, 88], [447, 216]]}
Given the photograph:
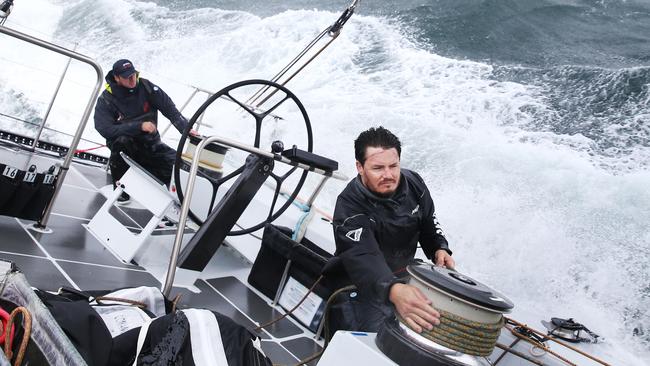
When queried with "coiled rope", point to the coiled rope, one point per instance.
{"points": [[27, 326], [463, 335]]}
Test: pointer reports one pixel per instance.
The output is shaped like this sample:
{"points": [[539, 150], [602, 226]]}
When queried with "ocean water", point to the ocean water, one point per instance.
{"points": [[529, 120]]}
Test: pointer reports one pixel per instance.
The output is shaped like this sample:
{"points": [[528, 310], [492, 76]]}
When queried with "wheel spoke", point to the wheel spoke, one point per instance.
{"points": [[266, 113], [244, 106], [234, 173], [214, 198], [275, 199], [259, 114]]}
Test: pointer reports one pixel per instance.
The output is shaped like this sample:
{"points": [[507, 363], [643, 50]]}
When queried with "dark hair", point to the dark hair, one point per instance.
{"points": [[375, 137]]}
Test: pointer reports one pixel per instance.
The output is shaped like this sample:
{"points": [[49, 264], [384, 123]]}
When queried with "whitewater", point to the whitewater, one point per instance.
{"points": [[555, 220]]}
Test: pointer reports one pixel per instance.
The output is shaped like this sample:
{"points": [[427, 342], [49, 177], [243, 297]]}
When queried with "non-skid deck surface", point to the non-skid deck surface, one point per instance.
{"points": [[71, 256]]}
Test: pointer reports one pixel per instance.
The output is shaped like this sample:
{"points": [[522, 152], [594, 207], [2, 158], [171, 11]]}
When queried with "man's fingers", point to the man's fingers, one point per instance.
{"points": [[419, 321], [440, 259], [148, 127], [443, 259], [428, 314], [421, 296], [413, 325], [450, 262]]}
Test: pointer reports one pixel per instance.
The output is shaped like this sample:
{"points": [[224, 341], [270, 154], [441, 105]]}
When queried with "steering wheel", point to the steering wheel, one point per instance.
{"points": [[268, 90]]}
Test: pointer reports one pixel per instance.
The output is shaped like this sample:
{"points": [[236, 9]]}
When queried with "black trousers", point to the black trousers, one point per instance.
{"points": [[157, 159], [355, 312]]}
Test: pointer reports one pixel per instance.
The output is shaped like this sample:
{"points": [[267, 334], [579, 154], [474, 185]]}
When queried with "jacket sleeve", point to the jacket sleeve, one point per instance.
{"points": [[359, 251], [432, 237], [166, 106], [107, 124]]}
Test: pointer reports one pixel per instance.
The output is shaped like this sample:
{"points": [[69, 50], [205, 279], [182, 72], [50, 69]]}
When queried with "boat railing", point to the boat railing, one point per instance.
{"points": [[185, 207], [42, 222], [195, 90]]}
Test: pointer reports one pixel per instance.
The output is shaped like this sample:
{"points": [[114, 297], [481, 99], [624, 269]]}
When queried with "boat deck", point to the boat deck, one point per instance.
{"points": [[71, 256]]}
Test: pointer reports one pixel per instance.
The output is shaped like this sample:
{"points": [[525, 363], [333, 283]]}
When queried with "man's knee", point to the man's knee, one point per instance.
{"points": [[123, 143], [117, 165], [349, 312]]}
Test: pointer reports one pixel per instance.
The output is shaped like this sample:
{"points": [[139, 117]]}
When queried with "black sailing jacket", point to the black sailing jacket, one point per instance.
{"points": [[376, 237], [120, 111]]}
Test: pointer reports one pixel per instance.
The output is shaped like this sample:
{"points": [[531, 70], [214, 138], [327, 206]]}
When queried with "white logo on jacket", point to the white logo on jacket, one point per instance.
{"points": [[354, 235], [436, 224], [415, 210]]}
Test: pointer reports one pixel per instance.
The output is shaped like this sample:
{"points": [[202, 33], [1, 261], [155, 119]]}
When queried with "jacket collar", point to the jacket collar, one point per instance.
{"points": [[119, 91]]}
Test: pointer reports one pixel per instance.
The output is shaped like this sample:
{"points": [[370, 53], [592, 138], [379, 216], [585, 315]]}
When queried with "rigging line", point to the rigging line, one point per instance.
{"points": [[45, 36], [507, 350], [286, 68], [546, 337], [333, 31], [53, 75], [25, 65], [299, 56], [300, 69], [49, 128], [157, 76]]}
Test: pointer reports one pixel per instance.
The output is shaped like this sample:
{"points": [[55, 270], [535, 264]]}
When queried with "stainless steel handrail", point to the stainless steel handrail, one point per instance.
{"points": [[49, 107], [187, 102], [185, 207], [42, 222]]}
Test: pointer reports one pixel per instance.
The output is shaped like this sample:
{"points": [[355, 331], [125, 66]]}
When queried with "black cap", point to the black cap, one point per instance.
{"points": [[123, 68]]}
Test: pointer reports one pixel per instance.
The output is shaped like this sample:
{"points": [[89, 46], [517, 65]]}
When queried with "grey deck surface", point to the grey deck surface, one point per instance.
{"points": [[72, 256]]}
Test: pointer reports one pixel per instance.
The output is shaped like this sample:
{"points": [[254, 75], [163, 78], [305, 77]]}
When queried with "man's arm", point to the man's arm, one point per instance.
{"points": [[106, 122], [166, 106], [358, 249], [432, 239]]}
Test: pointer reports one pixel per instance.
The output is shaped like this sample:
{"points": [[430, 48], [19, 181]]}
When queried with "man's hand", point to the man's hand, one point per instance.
{"points": [[443, 259], [148, 127], [194, 132], [413, 307]]}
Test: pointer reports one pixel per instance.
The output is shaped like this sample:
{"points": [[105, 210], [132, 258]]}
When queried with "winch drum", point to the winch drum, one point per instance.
{"points": [[454, 295]]}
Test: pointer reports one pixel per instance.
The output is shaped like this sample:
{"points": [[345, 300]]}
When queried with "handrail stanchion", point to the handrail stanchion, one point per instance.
{"points": [[187, 102], [185, 208], [42, 222], [49, 107], [196, 90]]}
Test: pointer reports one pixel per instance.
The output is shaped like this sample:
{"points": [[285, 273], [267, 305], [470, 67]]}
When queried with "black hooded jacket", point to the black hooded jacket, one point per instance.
{"points": [[120, 111], [377, 237]]}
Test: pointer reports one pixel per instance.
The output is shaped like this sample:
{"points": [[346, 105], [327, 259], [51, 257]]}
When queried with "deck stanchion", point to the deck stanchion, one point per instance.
{"points": [[49, 107], [42, 222]]}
